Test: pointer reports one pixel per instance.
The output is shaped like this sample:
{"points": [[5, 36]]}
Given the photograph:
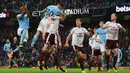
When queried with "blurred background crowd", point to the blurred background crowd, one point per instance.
{"points": [[12, 5]]}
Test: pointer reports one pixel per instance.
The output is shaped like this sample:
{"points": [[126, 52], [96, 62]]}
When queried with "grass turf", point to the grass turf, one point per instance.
{"points": [[69, 70]]}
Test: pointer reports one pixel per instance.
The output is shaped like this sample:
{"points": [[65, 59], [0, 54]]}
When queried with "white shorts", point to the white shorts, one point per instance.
{"points": [[118, 59], [102, 48], [19, 32], [43, 25], [8, 54]]}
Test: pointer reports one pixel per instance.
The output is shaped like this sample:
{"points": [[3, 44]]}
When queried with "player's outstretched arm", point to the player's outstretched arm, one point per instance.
{"points": [[67, 40], [123, 29], [59, 40], [105, 26]]}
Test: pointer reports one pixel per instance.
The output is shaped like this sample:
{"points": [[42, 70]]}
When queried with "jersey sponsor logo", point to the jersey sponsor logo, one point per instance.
{"points": [[37, 13], [79, 35]]}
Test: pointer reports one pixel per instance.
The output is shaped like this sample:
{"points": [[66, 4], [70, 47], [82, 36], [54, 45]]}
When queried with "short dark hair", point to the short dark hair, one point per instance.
{"points": [[60, 4], [101, 22], [115, 14], [79, 19]]}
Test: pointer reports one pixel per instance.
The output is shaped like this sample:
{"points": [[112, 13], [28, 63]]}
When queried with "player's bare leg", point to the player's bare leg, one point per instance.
{"points": [[99, 63], [19, 47], [108, 53], [57, 61], [115, 59], [103, 61], [41, 59], [80, 59], [90, 62], [35, 38]]}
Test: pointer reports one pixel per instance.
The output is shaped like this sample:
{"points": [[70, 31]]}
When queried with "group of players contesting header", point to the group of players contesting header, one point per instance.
{"points": [[102, 41]]}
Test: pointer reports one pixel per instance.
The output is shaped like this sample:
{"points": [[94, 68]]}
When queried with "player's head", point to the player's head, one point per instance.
{"points": [[113, 16], [15, 39], [7, 41], [101, 23], [60, 5], [22, 10], [78, 22]]}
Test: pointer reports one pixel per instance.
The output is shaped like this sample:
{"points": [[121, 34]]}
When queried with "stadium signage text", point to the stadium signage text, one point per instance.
{"points": [[37, 13], [66, 11], [2, 15], [76, 11], [123, 9]]}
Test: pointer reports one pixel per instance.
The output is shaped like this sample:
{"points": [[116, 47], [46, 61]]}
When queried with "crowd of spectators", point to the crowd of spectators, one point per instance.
{"points": [[13, 5]]}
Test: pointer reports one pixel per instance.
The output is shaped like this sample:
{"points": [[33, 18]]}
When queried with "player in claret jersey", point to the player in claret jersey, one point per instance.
{"points": [[77, 33], [50, 40], [51, 10], [112, 39]]}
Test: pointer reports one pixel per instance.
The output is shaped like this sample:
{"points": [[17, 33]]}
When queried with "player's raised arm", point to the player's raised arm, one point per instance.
{"points": [[26, 9]]}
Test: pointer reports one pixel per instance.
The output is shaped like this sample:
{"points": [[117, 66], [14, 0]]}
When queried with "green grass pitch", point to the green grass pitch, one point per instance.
{"points": [[50, 70]]}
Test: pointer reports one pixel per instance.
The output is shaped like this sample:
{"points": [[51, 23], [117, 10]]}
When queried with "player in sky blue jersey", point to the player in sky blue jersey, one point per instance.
{"points": [[51, 10], [7, 49], [23, 20], [102, 34], [119, 58]]}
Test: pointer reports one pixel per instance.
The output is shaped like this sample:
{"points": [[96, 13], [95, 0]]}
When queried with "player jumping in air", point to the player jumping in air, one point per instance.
{"points": [[50, 40], [51, 10], [23, 20], [112, 39]]}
